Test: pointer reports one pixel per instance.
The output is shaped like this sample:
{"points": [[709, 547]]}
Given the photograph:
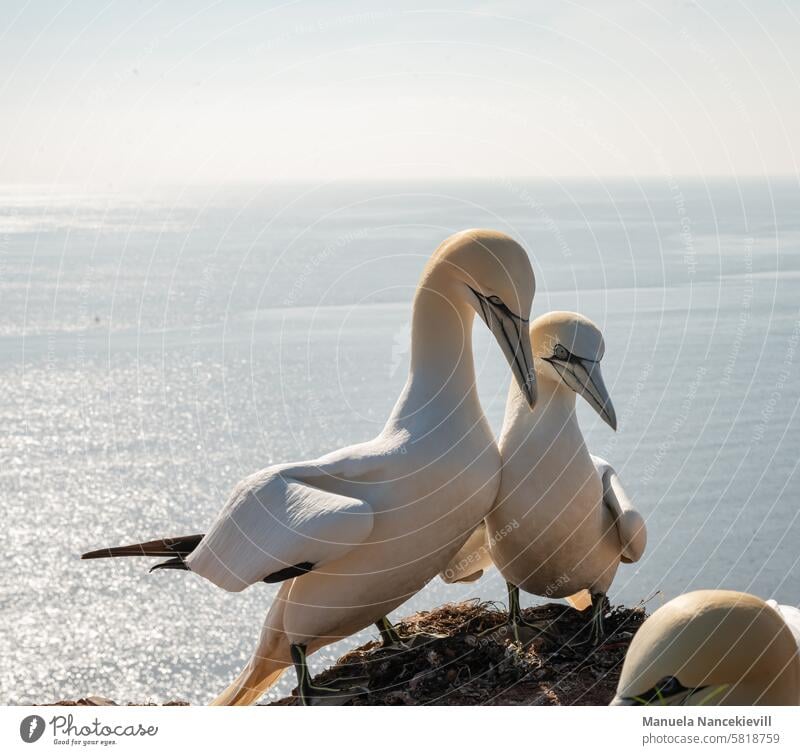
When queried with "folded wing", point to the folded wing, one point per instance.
{"points": [[275, 527], [629, 522], [471, 561]]}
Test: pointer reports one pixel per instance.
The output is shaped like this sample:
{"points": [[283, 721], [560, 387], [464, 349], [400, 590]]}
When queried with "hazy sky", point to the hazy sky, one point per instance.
{"points": [[129, 91]]}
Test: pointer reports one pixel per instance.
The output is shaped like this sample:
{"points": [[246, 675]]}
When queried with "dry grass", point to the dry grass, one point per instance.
{"points": [[478, 662]]}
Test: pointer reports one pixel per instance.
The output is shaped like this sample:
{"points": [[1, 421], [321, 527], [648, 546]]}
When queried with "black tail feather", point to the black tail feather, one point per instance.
{"points": [[172, 563], [168, 546]]}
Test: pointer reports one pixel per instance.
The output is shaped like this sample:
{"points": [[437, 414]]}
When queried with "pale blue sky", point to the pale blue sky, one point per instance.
{"points": [[98, 92]]}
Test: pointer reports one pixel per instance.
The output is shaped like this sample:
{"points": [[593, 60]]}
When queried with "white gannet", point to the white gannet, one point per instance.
{"points": [[562, 521], [354, 534], [712, 647]]}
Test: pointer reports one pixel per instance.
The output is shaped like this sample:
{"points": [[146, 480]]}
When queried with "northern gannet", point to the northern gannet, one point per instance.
{"points": [[712, 647], [355, 533], [562, 521]]}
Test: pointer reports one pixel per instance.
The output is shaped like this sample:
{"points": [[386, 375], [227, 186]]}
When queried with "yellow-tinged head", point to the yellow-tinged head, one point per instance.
{"points": [[568, 348], [492, 273], [712, 647]]}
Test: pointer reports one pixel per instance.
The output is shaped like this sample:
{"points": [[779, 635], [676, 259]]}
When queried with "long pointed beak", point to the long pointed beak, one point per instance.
{"points": [[512, 332], [586, 378], [513, 335]]}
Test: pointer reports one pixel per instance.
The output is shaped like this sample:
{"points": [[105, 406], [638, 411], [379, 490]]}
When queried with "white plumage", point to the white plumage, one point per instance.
{"points": [[562, 521], [360, 530]]}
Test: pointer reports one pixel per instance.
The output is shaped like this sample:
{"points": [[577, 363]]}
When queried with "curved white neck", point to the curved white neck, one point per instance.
{"points": [[441, 377], [555, 407]]}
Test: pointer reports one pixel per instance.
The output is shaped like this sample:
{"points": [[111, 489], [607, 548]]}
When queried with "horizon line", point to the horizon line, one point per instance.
{"points": [[320, 182]]}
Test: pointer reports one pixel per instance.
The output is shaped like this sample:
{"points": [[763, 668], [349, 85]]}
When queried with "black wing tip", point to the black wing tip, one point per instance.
{"points": [[118, 552], [172, 563], [289, 572], [102, 553], [168, 546]]}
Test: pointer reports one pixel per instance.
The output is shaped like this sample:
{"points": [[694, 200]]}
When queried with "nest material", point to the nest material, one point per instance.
{"points": [[478, 662]]}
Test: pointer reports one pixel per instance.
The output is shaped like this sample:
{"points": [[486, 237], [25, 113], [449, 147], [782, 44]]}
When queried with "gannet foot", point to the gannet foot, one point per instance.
{"points": [[422, 638], [599, 606], [392, 640], [308, 693], [330, 695], [525, 632], [595, 624]]}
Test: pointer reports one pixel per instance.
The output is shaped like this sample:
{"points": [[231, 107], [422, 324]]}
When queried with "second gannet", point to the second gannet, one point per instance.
{"points": [[355, 533], [562, 521], [712, 647]]}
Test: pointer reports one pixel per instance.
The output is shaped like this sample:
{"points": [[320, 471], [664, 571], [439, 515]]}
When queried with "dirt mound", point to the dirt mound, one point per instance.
{"points": [[477, 661]]}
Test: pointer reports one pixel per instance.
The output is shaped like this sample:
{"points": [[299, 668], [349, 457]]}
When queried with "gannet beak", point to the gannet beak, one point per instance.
{"points": [[586, 378], [512, 333]]}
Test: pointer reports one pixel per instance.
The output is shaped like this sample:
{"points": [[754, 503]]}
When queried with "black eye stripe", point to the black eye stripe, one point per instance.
{"points": [[570, 357], [664, 689], [498, 304]]}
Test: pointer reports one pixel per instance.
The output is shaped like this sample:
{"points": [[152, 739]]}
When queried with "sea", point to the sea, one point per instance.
{"points": [[159, 344]]}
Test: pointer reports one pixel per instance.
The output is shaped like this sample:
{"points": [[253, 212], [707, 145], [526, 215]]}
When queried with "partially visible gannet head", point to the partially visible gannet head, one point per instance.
{"points": [[494, 276], [712, 647], [568, 348]]}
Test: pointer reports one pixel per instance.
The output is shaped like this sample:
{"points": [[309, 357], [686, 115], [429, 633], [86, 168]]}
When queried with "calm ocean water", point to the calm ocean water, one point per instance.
{"points": [[154, 349]]}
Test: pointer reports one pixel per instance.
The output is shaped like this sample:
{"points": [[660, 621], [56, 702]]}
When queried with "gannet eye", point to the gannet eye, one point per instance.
{"points": [[559, 352], [664, 690], [669, 685], [495, 300]]}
